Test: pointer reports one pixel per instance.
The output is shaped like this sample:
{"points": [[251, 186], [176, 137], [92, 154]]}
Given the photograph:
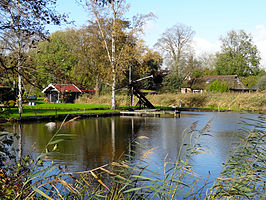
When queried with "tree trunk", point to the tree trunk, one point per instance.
{"points": [[20, 109], [130, 86], [113, 63], [113, 92], [97, 88]]}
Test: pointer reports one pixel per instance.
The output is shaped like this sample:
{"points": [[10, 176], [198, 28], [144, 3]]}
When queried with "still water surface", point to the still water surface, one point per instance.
{"points": [[101, 140]]}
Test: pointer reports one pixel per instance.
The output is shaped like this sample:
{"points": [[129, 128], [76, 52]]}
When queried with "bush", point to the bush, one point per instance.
{"points": [[172, 83], [262, 83], [11, 103], [195, 100], [218, 86], [250, 80]]}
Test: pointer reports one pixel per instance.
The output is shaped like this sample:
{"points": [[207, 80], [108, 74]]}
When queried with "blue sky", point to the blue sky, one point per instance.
{"points": [[210, 19]]}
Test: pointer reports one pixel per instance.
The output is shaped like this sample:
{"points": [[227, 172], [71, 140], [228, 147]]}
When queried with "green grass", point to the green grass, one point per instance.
{"points": [[48, 109], [69, 106], [40, 112]]}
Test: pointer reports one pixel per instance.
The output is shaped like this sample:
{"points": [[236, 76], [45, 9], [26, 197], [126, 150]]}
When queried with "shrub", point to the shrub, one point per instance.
{"points": [[250, 80], [218, 86], [11, 103], [172, 83], [195, 100], [262, 83]]}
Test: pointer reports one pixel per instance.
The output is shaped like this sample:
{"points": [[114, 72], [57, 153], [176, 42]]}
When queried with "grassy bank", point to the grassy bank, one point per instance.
{"points": [[228, 101], [47, 109]]}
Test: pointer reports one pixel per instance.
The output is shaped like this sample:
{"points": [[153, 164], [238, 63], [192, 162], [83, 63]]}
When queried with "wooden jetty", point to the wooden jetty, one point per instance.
{"points": [[152, 113]]}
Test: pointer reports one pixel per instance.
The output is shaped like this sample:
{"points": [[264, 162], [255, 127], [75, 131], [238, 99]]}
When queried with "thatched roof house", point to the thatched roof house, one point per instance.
{"points": [[199, 84]]}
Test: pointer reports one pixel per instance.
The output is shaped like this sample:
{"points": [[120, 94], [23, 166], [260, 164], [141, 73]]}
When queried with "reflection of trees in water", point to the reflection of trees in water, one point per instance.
{"points": [[102, 140], [20, 135], [105, 140], [30, 138], [98, 140]]}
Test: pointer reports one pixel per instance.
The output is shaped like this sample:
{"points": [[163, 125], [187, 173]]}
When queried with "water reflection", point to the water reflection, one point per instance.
{"points": [[102, 140]]}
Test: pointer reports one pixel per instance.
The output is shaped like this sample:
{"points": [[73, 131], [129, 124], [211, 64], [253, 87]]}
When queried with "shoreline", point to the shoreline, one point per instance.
{"points": [[61, 116], [155, 112]]}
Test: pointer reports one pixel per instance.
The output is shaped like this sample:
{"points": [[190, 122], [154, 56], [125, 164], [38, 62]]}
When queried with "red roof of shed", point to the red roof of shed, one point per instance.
{"points": [[61, 88], [66, 88]]}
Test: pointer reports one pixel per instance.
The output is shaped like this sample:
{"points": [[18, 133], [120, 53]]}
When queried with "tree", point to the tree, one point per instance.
{"points": [[151, 64], [204, 66], [91, 69], [112, 11], [22, 23], [239, 55], [118, 37], [55, 58], [175, 44], [172, 83]]}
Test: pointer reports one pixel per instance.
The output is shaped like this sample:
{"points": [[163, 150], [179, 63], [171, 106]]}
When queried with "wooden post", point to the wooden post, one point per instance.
{"points": [[177, 112], [131, 88]]}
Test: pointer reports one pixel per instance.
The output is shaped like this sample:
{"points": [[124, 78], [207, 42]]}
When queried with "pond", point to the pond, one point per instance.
{"points": [[102, 140]]}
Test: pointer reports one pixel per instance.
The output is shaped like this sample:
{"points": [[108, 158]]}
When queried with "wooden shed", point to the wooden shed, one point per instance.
{"points": [[66, 93]]}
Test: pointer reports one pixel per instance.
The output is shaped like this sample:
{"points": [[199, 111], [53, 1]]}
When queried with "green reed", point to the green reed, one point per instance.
{"points": [[243, 176]]}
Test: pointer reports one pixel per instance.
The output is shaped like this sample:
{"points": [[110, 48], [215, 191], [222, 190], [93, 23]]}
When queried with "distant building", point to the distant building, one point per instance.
{"points": [[198, 85], [66, 93]]}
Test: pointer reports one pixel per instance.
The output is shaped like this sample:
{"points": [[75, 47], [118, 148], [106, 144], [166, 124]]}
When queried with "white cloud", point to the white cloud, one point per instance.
{"points": [[151, 33], [202, 46], [149, 27], [259, 38]]}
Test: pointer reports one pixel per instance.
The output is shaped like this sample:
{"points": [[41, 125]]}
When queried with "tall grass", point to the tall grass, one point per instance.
{"points": [[23, 178], [244, 174], [231, 101]]}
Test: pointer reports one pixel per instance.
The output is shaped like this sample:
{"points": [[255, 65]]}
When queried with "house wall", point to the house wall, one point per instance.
{"points": [[186, 90]]}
